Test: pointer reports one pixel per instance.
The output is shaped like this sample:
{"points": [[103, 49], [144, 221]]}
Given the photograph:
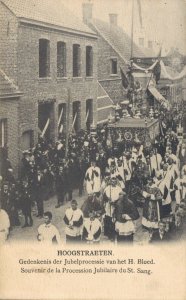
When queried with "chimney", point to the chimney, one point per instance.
{"points": [[87, 12], [113, 19]]}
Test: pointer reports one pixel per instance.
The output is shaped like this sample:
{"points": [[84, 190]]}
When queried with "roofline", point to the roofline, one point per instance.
{"points": [[11, 95], [8, 8], [124, 59], [56, 27]]}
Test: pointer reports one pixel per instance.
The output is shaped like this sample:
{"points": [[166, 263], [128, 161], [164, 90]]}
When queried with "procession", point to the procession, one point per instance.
{"points": [[92, 131], [116, 183]]}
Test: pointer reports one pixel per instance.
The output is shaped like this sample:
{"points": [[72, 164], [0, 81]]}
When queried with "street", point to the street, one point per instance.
{"points": [[18, 234]]}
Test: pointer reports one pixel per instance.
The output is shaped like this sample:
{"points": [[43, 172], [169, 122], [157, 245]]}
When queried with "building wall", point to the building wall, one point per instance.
{"points": [[8, 42], [53, 89], [110, 82], [9, 111]]}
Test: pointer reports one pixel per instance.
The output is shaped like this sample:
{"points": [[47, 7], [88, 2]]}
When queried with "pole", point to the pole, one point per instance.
{"points": [[87, 115], [3, 133], [68, 121], [132, 31], [61, 113], [45, 128], [74, 120]]}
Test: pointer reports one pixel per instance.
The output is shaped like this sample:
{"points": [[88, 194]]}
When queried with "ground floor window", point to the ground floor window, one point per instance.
{"points": [[76, 113], [46, 119], [89, 113], [3, 132]]}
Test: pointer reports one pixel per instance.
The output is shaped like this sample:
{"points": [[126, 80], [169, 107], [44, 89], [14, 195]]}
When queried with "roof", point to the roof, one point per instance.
{"points": [[51, 12], [7, 88], [118, 39]]}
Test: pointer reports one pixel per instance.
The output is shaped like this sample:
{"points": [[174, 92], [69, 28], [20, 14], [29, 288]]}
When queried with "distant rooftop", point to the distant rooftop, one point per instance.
{"points": [[119, 40]]}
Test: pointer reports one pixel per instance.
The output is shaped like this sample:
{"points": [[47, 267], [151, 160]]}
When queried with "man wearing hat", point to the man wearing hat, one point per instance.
{"points": [[152, 205], [125, 213], [92, 203], [110, 196]]}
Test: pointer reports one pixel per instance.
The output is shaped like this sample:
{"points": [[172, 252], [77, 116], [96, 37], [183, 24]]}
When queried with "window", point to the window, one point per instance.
{"points": [[89, 61], [44, 58], [141, 42], [76, 60], [114, 66], [150, 44], [61, 59], [3, 132]]}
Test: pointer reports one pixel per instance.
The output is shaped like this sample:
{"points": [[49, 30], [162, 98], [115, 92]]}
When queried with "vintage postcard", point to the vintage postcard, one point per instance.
{"points": [[93, 149]]}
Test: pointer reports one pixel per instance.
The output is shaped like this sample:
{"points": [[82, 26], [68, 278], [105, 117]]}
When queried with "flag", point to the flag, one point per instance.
{"points": [[124, 79], [140, 14], [157, 68]]}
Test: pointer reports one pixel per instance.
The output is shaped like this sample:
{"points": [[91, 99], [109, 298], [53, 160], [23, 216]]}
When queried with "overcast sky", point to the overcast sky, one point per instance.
{"points": [[164, 20]]}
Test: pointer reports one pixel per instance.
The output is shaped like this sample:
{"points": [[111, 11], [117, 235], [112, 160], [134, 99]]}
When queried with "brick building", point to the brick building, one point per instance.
{"points": [[51, 57], [114, 51]]}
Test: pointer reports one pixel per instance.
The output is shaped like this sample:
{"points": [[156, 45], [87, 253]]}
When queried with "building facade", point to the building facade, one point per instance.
{"points": [[52, 58]]}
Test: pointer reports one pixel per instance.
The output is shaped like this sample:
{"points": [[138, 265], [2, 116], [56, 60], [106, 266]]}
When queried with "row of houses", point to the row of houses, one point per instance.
{"points": [[56, 70]]}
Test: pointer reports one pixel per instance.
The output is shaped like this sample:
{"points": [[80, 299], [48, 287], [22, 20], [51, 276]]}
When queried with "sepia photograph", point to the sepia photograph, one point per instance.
{"points": [[93, 134]]}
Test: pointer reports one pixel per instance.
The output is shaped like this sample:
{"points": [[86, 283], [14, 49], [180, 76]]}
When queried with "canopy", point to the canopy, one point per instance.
{"points": [[156, 93], [153, 90]]}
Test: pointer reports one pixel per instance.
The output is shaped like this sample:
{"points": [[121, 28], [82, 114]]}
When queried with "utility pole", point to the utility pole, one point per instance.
{"points": [[68, 121]]}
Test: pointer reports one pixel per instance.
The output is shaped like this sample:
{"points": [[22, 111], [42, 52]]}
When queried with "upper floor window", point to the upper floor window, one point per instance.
{"points": [[76, 60], [44, 58], [61, 59], [141, 42], [89, 61], [114, 66]]}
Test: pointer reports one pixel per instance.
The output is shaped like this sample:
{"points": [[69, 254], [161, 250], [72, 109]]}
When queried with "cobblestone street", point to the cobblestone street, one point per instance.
{"points": [[30, 233]]}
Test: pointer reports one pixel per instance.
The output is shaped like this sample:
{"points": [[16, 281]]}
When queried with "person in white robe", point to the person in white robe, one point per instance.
{"points": [[92, 229], [4, 225], [73, 220], [93, 179], [110, 196]]}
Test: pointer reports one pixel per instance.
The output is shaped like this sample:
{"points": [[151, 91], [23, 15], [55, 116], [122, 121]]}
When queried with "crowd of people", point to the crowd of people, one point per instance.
{"points": [[116, 178]]}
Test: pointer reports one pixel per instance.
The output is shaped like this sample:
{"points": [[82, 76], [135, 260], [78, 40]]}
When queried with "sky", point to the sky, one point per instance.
{"points": [[163, 20]]}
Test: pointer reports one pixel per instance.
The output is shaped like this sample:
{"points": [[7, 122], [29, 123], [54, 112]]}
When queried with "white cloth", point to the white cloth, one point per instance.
{"points": [[73, 216], [136, 153], [112, 193], [93, 185], [92, 228], [178, 188], [126, 228], [128, 165], [4, 225], [47, 232], [155, 161]]}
